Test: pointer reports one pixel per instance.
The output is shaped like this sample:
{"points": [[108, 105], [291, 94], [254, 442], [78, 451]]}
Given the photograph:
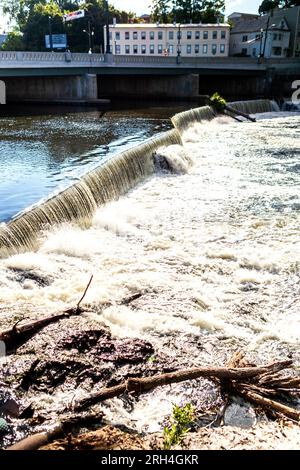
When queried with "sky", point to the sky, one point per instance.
{"points": [[142, 6]]}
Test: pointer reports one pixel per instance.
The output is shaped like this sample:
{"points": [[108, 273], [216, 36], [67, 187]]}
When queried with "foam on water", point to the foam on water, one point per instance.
{"points": [[214, 250]]}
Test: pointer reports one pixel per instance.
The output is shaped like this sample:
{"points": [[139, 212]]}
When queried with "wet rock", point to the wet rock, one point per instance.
{"points": [[84, 341], [8, 404], [240, 415], [22, 276], [100, 344]]}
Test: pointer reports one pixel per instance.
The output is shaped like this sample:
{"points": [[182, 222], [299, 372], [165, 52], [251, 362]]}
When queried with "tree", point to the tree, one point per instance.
{"points": [[13, 42], [186, 11], [268, 5], [32, 19]]}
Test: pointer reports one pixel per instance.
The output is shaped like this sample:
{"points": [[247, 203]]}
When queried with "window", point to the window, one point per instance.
{"points": [[135, 49], [179, 34], [223, 34], [127, 49], [171, 35], [160, 48], [117, 37], [205, 48], [275, 37], [277, 51], [160, 35], [152, 35], [171, 49], [197, 34], [222, 48], [143, 49], [279, 37], [127, 35], [257, 37], [189, 49], [135, 35], [118, 49], [244, 51], [254, 52], [189, 35], [214, 49], [215, 35], [143, 35], [197, 48], [245, 38], [205, 35], [151, 48]]}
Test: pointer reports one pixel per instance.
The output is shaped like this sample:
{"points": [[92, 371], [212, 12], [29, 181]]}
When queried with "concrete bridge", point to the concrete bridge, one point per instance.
{"points": [[76, 76]]}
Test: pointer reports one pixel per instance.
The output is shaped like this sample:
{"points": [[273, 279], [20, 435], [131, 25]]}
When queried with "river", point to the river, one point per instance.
{"points": [[44, 149], [214, 251]]}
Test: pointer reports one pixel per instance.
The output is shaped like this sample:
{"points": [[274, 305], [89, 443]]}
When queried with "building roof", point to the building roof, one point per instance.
{"points": [[239, 14], [167, 25], [251, 25]]}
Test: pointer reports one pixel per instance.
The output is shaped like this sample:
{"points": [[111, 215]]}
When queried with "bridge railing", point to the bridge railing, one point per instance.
{"points": [[42, 57]]}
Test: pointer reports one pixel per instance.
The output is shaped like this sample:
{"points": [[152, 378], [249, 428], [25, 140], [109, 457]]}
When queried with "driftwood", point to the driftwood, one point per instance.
{"points": [[17, 335], [232, 112], [66, 425], [239, 113], [149, 383], [238, 378]]}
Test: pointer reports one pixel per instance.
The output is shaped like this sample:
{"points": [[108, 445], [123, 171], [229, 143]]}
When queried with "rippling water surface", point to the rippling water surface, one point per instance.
{"points": [[42, 152]]}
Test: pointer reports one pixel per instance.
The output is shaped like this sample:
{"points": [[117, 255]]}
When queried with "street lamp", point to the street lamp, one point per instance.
{"points": [[90, 34], [107, 28]]}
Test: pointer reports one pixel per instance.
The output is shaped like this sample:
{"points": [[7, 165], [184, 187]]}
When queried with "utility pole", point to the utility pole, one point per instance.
{"points": [[50, 33], [107, 28], [266, 36], [178, 44]]}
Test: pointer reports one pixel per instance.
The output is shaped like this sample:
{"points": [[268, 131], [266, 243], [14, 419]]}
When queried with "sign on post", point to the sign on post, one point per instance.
{"points": [[74, 15], [59, 41]]}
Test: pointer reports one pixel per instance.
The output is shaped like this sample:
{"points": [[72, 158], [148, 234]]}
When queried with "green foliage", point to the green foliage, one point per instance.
{"points": [[13, 42], [268, 5], [217, 102], [179, 424], [186, 11], [32, 19]]}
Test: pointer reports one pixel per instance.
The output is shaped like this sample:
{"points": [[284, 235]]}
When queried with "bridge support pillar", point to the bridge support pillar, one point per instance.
{"points": [[71, 88], [140, 86]]}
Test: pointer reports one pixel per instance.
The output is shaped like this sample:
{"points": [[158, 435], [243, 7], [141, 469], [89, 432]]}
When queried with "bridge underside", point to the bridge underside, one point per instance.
{"points": [[177, 84]]}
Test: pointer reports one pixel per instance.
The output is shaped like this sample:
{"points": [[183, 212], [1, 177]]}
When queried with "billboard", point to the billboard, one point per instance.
{"points": [[74, 15], [59, 41]]}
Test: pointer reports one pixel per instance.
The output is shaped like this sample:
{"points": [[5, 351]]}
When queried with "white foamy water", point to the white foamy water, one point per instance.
{"points": [[214, 248]]}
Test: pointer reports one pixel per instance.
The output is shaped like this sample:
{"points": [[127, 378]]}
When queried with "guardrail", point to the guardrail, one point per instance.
{"points": [[41, 57], [28, 58]]}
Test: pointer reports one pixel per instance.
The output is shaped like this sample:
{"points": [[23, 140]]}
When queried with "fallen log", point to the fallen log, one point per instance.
{"points": [[268, 404], [18, 335], [140, 385], [238, 380], [239, 113], [38, 440], [220, 105]]}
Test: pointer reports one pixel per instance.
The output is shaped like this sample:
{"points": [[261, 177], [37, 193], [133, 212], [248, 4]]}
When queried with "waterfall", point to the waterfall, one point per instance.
{"points": [[80, 201], [254, 106], [183, 120]]}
